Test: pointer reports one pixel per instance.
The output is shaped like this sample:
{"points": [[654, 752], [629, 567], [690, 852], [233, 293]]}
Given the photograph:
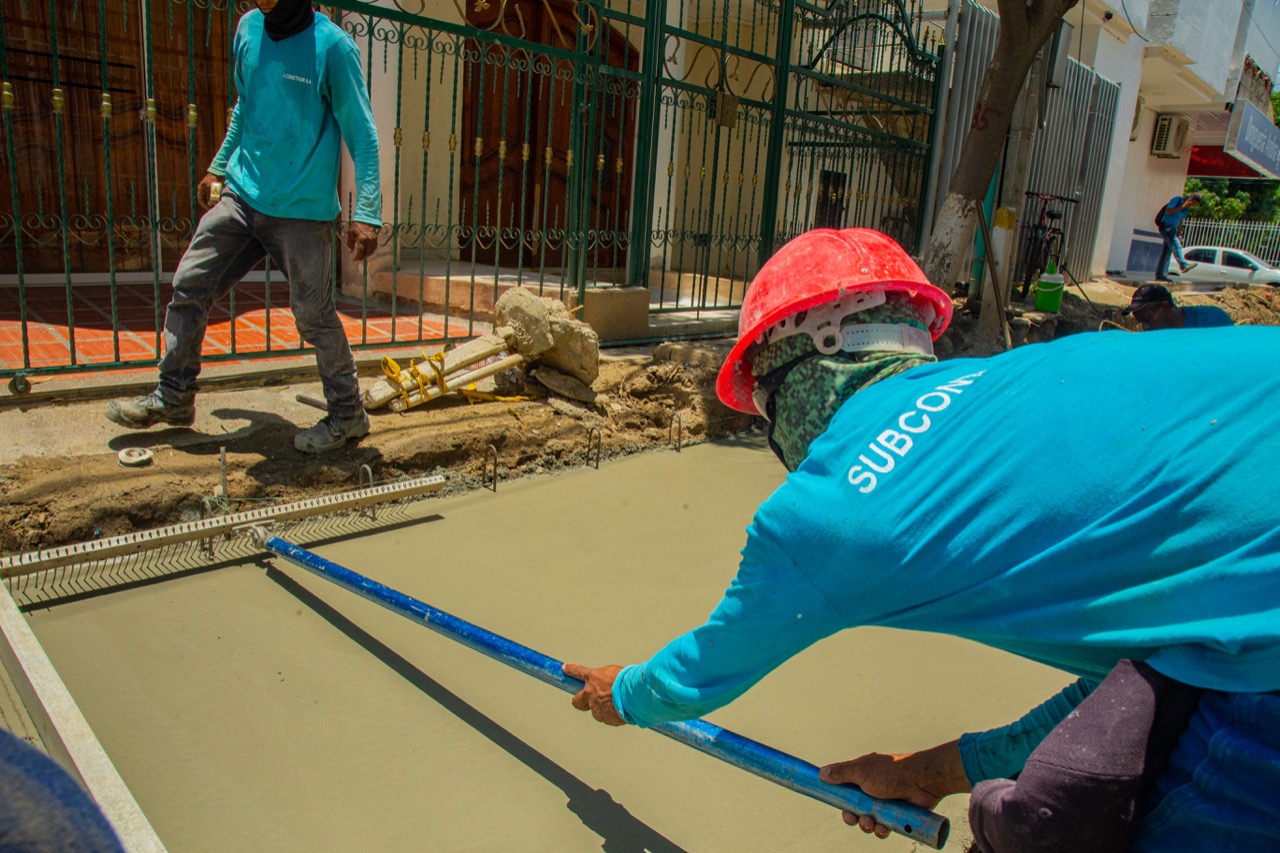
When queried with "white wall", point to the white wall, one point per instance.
{"points": [[1263, 41], [1147, 182], [1120, 61], [1204, 30], [1137, 10]]}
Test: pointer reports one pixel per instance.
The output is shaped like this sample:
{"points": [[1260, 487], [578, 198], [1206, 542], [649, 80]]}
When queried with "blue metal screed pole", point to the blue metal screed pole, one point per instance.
{"points": [[764, 761]]}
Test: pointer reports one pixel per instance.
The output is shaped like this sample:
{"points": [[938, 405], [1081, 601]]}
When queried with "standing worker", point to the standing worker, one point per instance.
{"points": [[1153, 306], [1169, 220], [301, 93], [1031, 501]]}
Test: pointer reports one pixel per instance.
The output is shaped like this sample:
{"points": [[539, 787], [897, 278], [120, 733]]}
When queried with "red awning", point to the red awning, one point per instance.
{"points": [[1210, 161]]}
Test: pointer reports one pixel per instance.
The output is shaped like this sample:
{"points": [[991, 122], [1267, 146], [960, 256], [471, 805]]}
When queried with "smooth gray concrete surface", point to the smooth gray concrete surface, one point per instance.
{"points": [[257, 707]]}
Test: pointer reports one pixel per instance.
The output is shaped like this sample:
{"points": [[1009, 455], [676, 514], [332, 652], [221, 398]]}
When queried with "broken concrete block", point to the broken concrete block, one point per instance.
{"points": [[528, 317], [562, 384], [576, 350]]}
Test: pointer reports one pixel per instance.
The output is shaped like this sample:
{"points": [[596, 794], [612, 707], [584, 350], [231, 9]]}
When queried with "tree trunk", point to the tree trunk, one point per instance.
{"points": [[1023, 31]]}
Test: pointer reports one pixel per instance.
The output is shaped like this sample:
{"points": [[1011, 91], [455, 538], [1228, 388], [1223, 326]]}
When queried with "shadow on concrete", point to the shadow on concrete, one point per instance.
{"points": [[190, 440], [754, 439], [621, 831], [269, 437]]}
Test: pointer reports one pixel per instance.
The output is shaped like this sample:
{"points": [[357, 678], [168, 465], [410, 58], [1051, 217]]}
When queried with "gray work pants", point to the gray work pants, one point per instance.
{"points": [[230, 240]]}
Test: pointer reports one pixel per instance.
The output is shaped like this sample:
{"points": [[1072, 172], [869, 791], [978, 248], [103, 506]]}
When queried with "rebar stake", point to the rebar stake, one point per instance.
{"points": [[676, 428], [222, 463], [596, 438], [372, 510], [206, 544], [484, 474]]}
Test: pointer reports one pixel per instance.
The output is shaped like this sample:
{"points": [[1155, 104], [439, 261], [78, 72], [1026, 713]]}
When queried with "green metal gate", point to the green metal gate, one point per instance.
{"points": [[780, 117], [671, 144]]}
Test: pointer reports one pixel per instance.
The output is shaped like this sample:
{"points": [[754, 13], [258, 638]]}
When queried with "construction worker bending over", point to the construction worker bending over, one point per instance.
{"points": [[301, 94], [1153, 307], [1034, 502]]}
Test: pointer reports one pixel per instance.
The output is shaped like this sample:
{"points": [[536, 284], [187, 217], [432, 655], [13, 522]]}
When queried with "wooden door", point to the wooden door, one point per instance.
{"points": [[517, 114], [191, 65], [61, 151]]}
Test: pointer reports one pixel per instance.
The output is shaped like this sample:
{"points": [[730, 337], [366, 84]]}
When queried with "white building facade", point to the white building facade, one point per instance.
{"points": [[1185, 69]]}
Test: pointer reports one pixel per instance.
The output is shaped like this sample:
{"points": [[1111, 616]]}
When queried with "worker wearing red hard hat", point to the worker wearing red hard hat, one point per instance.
{"points": [[1069, 502]]}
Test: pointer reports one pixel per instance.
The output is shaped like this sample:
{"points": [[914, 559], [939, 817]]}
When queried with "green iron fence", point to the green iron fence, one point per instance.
{"points": [[779, 117], [560, 144]]}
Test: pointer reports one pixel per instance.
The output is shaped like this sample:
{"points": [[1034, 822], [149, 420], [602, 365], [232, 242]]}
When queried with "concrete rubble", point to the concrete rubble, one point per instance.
{"points": [[534, 338]]}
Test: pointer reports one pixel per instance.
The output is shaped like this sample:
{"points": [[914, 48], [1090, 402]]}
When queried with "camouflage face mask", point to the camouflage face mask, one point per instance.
{"points": [[803, 388]]}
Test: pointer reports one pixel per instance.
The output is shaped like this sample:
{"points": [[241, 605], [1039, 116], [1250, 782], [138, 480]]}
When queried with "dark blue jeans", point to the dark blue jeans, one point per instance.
{"points": [[1221, 791], [1171, 248], [230, 240]]}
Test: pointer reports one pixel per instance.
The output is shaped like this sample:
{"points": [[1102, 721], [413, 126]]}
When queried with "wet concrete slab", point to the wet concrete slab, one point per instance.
{"points": [[257, 707]]}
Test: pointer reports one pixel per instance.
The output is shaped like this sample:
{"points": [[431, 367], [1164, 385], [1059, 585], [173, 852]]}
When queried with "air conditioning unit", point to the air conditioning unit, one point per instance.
{"points": [[1170, 137]]}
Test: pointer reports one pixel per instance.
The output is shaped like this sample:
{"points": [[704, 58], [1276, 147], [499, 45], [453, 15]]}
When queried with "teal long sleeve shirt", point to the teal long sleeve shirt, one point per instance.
{"points": [[1001, 752], [298, 100], [1104, 496]]}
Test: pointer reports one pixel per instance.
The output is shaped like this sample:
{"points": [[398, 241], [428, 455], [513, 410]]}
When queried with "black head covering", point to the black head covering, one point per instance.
{"points": [[288, 18]]}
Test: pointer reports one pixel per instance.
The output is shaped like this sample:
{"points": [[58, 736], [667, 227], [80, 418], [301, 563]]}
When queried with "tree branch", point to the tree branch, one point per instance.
{"points": [[1015, 17], [1043, 16]]}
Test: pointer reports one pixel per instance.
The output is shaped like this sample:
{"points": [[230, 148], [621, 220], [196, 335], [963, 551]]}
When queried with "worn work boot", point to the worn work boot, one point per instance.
{"points": [[332, 432], [148, 411]]}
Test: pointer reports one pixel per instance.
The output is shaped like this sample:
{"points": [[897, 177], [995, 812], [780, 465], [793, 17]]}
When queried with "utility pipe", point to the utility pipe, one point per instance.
{"points": [[946, 72], [903, 818]]}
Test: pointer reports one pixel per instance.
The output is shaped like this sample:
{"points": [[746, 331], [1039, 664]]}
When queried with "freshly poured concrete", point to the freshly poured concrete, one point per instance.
{"points": [[258, 707]]}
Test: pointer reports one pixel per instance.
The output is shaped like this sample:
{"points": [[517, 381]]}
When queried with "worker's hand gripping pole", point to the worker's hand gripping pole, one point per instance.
{"points": [[764, 761]]}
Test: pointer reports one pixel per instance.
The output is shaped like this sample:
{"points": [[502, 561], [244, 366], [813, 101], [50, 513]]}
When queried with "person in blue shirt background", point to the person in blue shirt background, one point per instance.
{"points": [[1153, 306], [301, 94], [1151, 536], [1170, 220]]}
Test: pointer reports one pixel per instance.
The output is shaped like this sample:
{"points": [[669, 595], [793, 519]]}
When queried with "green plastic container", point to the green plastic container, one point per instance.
{"points": [[1049, 293]]}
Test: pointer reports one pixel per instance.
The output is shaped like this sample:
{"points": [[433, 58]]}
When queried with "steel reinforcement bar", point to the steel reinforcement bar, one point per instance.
{"points": [[764, 761]]}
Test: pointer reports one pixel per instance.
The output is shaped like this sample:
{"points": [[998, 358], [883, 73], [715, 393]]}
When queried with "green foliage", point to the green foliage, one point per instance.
{"points": [[1275, 107], [1226, 198]]}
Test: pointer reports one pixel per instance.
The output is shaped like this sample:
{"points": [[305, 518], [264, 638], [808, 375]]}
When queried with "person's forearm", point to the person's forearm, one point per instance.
{"points": [[1000, 753], [940, 770], [230, 143], [355, 119], [364, 157], [767, 615]]}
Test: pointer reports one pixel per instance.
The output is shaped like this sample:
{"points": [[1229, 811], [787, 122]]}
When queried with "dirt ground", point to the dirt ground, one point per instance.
{"points": [[646, 401], [643, 403]]}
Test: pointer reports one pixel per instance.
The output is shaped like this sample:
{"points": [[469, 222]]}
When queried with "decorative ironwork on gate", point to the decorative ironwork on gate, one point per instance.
{"points": [[556, 143], [779, 118]]}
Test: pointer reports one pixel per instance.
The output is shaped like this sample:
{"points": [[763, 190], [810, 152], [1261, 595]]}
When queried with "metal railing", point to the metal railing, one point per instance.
{"points": [[1069, 157], [559, 145], [1259, 238]]}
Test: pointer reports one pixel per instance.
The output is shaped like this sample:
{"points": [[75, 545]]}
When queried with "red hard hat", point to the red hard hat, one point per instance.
{"points": [[817, 267]]}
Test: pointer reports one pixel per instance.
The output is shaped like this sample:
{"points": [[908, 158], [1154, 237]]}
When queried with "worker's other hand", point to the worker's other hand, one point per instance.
{"points": [[362, 240], [596, 694], [204, 190], [921, 778]]}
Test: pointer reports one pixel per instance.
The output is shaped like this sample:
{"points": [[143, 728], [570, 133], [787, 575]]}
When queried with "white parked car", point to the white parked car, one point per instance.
{"points": [[1215, 263]]}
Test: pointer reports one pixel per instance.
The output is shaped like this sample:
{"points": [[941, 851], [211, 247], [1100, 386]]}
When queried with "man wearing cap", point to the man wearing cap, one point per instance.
{"points": [[1153, 306], [905, 508], [1169, 221]]}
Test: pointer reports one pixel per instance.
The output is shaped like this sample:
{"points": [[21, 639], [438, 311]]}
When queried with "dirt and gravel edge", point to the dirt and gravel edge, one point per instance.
{"points": [[647, 400]]}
